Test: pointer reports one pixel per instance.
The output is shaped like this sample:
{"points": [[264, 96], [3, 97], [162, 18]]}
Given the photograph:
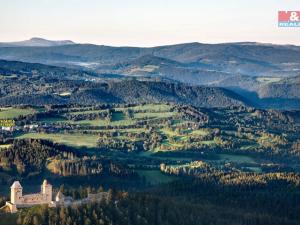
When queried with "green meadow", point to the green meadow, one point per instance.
{"points": [[75, 140], [13, 113]]}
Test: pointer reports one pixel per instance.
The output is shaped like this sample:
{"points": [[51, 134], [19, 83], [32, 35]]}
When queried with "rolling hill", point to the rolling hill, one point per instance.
{"points": [[288, 88], [250, 69], [38, 84], [243, 58]]}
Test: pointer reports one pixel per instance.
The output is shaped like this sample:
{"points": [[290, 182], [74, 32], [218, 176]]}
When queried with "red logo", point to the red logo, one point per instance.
{"points": [[288, 16]]}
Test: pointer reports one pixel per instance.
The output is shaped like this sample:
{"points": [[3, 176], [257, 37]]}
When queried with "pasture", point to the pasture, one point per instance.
{"points": [[75, 140], [13, 113]]}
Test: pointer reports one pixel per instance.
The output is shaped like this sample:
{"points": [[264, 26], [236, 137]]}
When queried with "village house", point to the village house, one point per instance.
{"points": [[31, 126], [10, 129]]}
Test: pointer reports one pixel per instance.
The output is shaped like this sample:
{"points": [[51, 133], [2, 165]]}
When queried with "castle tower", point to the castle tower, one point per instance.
{"points": [[46, 191], [60, 197], [16, 193]]}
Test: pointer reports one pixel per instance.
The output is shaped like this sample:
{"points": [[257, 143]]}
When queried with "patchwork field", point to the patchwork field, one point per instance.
{"points": [[183, 135], [13, 113], [172, 130]]}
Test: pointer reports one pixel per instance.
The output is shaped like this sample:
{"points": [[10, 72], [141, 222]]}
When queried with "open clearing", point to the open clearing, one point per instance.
{"points": [[155, 176], [268, 79], [75, 140], [150, 108], [236, 158], [4, 146], [12, 113]]}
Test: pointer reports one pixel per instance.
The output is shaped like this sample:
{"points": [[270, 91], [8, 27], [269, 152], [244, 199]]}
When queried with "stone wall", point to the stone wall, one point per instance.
{"points": [[34, 199]]}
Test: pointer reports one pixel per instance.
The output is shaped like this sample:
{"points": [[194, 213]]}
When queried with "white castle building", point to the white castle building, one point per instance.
{"points": [[18, 200]]}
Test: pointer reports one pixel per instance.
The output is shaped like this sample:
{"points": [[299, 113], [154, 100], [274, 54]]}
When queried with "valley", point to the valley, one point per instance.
{"points": [[150, 126], [149, 112], [155, 149], [244, 138]]}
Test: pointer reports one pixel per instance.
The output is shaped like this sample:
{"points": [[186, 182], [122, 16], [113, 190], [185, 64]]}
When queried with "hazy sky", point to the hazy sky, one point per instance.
{"points": [[147, 22]]}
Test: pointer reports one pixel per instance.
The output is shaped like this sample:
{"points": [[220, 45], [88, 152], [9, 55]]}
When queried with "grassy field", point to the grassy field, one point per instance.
{"points": [[150, 108], [210, 143], [147, 68], [86, 112], [118, 119], [154, 115], [155, 176], [200, 132], [75, 140], [11, 113], [236, 158], [175, 135], [153, 155], [221, 157], [268, 79], [4, 146], [100, 122]]}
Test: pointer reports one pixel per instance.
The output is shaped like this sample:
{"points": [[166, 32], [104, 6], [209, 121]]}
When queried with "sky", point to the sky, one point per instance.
{"points": [[147, 23]]}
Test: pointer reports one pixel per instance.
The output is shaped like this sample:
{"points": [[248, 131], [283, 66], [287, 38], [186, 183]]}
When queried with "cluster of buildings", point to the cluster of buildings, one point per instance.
{"points": [[18, 200], [30, 127]]}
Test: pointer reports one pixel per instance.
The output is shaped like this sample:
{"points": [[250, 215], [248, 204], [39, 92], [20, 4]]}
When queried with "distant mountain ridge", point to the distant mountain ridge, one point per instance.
{"points": [[36, 42], [244, 67], [251, 59]]}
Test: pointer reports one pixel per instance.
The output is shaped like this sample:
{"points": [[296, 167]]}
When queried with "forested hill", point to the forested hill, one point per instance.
{"points": [[147, 91], [38, 84], [287, 88], [16, 69], [54, 91]]}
